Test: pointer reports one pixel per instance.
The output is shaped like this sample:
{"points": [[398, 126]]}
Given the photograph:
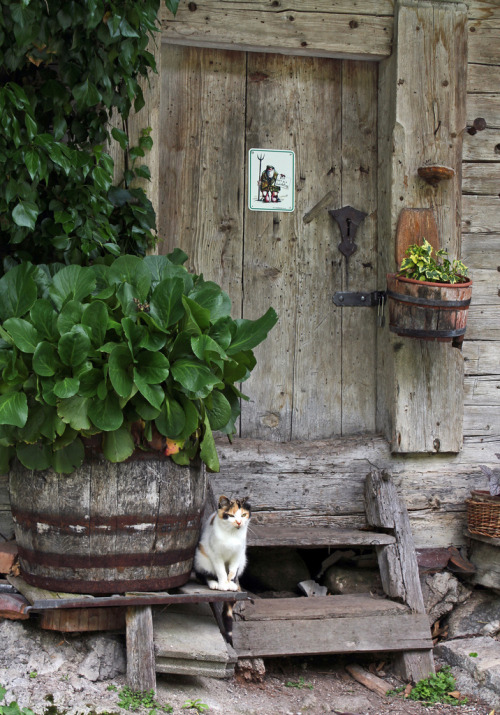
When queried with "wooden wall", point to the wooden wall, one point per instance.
{"points": [[323, 480]]}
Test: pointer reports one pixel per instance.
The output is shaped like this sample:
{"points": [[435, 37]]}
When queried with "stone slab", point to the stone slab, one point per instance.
{"points": [[483, 667]]}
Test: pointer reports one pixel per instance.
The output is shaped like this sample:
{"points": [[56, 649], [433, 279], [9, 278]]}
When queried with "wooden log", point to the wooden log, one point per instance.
{"points": [[370, 681], [141, 671]]}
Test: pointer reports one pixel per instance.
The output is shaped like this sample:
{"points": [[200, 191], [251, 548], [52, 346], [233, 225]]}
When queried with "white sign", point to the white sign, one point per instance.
{"points": [[271, 180]]}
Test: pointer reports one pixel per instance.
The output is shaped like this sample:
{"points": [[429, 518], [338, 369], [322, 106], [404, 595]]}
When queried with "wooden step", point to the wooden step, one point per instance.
{"points": [[308, 537], [327, 624]]}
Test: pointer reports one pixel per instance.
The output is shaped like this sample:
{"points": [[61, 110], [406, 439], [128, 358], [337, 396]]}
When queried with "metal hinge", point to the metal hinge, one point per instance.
{"points": [[360, 300]]}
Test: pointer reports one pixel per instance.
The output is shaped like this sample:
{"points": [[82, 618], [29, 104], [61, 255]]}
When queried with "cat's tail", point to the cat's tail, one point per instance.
{"points": [[227, 620]]}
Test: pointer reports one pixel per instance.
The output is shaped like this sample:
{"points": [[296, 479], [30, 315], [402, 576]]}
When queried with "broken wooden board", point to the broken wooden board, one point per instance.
{"points": [[14, 607], [313, 537]]}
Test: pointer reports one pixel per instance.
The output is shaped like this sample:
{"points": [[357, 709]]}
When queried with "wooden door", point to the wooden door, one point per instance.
{"points": [[315, 376]]}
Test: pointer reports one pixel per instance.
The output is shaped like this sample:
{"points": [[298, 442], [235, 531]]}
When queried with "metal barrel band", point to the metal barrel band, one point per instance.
{"points": [[105, 561], [436, 334], [105, 586], [428, 303]]}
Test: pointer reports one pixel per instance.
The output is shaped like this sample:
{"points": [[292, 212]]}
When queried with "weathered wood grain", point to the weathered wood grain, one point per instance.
{"points": [[307, 537], [141, 671], [484, 41], [484, 10], [297, 31], [483, 322], [485, 105], [359, 189], [480, 214], [80, 620], [336, 635], [201, 148], [486, 284], [483, 389], [483, 421], [483, 146], [481, 358], [481, 179], [481, 251], [482, 78], [370, 681]]}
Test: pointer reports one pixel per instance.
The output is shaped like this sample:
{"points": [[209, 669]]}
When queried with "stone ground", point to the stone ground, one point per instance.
{"points": [[55, 673]]}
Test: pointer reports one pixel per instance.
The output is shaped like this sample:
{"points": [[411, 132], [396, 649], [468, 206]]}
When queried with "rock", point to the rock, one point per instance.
{"points": [[441, 592], [275, 569], [340, 579], [479, 615], [483, 665], [250, 669], [309, 702], [350, 703], [106, 659]]}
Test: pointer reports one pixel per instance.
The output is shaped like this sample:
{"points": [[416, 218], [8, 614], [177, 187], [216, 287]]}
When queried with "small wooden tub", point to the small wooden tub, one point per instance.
{"points": [[108, 528], [428, 311]]}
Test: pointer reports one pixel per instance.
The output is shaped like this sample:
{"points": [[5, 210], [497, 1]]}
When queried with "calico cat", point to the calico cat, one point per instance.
{"points": [[221, 553]]}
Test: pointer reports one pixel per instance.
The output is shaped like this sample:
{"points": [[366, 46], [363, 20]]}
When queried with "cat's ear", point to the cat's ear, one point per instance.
{"points": [[245, 504], [224, 502]]}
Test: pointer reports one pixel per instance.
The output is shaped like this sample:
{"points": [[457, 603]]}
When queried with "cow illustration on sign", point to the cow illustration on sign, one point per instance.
{"points": [[268, 185], [271, 188]]}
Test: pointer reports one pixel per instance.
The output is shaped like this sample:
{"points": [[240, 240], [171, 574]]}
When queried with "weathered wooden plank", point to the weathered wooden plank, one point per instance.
{"points": [[484, 42], [484, 389], [299, 30], [482, 420], [484, 10], [6, 522], [483, 146], [485, 105], [481, 214], [141, 671], [486, 286], [80, 620], [307, 537], [425, 128], [342, 635], [481, 178], [481, 251], [483, 322], [201, 151], [344, 606], [482, 78], [359, 189], [481, 358]]}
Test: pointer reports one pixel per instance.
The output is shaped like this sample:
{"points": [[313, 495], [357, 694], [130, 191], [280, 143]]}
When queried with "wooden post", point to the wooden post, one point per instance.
{"points": [[141, 667], [397, 562], [421, 122]]}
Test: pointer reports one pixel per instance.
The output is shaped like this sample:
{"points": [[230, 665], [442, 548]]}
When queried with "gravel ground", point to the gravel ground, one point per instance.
{"points": [[325, 688]]}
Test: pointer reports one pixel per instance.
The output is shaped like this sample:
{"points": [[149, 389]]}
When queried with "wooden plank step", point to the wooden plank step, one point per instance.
{"points": [[344, 606], [352, 634], [307, 537]]}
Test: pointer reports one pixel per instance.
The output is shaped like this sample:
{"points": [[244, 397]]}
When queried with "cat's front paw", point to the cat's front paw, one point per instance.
{"points": [[232, 586], [214, 585]]}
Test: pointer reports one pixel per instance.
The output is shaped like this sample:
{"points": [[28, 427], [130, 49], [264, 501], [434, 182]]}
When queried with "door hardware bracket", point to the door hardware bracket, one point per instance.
{"points": [[360, 300]]}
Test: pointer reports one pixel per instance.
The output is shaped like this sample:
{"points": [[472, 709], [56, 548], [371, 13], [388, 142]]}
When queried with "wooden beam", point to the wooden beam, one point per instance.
{"points": [[421, 118], [311, 29], [141, 669]]}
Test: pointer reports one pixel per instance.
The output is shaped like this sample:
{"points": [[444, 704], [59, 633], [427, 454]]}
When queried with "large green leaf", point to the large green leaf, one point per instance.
{"points": [[73, 412], [68, 458], [25, 336], [220, 331], [131, 270], [166, 303], [161, 267], [69, 316], [96, 318], [219, 412], [152, 368], [205, 348], [120, 367], [192, 417], [73, 347], [72, 283], [44, 318], [13, 409], [18, 291], [45, 361], [89, 382], [106, 414], [194, 376], [172, 418], [144, 408], [152, 393], [118, 445], [211, 296], [208, 450], [250, 333], [134, 333], [34, 456], [25, 214], [67, 387]]}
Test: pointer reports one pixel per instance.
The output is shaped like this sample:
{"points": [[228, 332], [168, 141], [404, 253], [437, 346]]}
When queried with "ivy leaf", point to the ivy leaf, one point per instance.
{"points": [[86, 94], [118, 445], [13, 409], [18, 291], [172, 5], [25, 214]]}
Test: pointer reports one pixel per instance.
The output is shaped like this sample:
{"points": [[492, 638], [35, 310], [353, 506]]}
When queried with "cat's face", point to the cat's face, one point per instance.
{"points": [[235, 512]]}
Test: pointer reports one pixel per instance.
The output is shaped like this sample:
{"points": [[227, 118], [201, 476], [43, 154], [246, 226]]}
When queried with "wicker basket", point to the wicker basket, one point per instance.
{"points": [[483, 516]]}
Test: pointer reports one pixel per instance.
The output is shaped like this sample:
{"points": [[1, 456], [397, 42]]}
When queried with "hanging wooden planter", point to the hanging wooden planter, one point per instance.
{"points": [[428, 311], [108, 528]]}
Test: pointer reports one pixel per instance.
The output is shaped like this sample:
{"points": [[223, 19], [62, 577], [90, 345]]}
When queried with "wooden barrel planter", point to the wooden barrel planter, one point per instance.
{"points": [[428, 311], [108, 528]]}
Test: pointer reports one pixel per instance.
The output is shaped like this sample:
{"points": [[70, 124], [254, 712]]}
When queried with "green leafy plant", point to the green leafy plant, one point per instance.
{"points": [[140, 352], [420, 264], [437, 688], [12, 708], [66, 69], [299, 684], [195, 705], [135, 699]]}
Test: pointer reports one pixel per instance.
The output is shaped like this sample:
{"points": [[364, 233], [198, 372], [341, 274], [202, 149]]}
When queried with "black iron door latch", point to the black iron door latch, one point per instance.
{"points": [[376, 298]]}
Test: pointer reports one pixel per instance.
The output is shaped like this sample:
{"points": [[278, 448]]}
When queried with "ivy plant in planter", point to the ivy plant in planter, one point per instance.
{"points": [[429, 296], [140, 352]]}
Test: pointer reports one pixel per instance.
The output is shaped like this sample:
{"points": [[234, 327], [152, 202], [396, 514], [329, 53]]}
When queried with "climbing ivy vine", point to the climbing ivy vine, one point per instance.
{"points": [[67, 67]]}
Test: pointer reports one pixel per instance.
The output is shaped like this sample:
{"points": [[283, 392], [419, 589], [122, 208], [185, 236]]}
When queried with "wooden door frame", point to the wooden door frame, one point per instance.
{"points": [[421, 48]]}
